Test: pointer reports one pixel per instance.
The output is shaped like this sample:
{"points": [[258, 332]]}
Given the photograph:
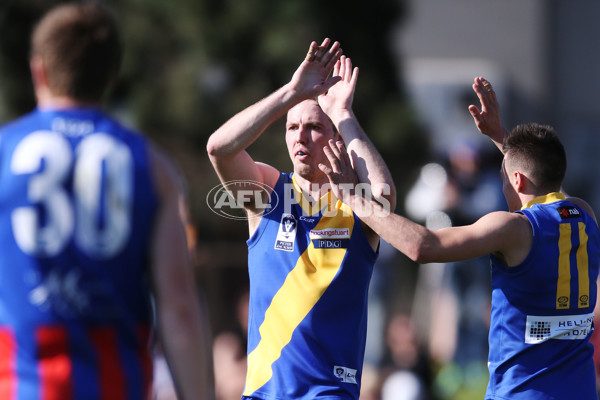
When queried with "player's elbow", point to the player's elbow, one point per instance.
{"points": [[212, 148], [421, 257], [219, 147], [408, 245], [417, 254], [422, 250]]}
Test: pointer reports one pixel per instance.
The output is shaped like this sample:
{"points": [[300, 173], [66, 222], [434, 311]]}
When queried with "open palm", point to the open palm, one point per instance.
{"points": [[340, 96]]}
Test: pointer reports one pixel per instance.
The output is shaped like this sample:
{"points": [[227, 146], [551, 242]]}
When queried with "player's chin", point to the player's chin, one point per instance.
{"points": [[301, 169], [306, 171]]}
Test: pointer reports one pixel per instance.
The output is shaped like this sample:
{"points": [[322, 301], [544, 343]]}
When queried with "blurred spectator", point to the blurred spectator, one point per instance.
{"points": [[230, 366], [474, 188], [229, 354], [381, 291], [452, 300], [406, 370], [403, 385]]}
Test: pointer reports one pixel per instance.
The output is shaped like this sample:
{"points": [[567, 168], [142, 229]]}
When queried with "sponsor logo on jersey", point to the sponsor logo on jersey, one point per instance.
{"points": [[345, 374], [330, 238], [564, 327], [331, 243], [567, 212], [330, 233]]}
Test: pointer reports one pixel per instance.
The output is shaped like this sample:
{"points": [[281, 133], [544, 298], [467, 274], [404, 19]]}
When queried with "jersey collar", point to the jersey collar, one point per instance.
{"points": [[546, 199], [311, 207]]}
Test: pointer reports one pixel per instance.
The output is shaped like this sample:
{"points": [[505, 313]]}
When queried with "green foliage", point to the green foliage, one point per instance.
{"points": [[190, 65]]}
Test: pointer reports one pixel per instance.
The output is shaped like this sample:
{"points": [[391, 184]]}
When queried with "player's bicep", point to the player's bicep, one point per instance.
{"points": [[240, 173], [496, 233], [241, 167]]}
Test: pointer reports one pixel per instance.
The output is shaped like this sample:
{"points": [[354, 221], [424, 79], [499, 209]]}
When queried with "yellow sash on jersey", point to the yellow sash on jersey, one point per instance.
{"points": [[302, 288]]}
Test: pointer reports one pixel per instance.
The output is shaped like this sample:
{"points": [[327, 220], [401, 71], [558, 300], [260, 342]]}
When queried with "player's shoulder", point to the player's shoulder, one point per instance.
{"points": [[581, 203], [19, 124], [504, 224], [504, 217]]}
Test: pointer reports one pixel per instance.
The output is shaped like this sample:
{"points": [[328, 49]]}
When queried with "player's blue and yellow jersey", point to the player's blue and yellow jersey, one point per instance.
{"points": [[309, 269], [542, 309], [76, 207]]}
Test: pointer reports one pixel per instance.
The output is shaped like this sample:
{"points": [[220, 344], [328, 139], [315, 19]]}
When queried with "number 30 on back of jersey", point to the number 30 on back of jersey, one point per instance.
{"points": [[93, 211]]}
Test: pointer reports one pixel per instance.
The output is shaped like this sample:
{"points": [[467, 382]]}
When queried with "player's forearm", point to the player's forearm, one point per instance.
{"points": [[187, 347], [498, 136], [367, 161], [413, 240], [240, 131]]}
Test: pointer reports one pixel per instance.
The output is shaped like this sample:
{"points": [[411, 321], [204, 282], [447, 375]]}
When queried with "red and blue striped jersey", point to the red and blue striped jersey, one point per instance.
{"points": [[77, 204]]}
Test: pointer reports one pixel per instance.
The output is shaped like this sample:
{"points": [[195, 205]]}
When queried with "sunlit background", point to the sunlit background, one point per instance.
{"points": [[192, 64]]}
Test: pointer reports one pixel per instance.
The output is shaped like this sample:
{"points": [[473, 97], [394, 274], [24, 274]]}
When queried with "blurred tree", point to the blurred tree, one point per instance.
{"points": [[16, 20], [190, 65]]}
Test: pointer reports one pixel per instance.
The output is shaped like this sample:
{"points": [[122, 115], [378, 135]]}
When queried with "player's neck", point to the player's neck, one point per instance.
{"points": [[45, 100], [313, 190]]}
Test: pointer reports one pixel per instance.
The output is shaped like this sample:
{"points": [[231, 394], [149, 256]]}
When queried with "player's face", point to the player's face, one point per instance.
{"points": [[308, 130]]}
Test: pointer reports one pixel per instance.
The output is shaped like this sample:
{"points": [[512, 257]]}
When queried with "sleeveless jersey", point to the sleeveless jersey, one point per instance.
{"points": [[542, 309], [76, 207], [309, 270]]}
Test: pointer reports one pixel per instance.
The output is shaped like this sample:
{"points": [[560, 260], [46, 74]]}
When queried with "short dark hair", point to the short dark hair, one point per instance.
{"points": [[538, 150], [81, 49]]}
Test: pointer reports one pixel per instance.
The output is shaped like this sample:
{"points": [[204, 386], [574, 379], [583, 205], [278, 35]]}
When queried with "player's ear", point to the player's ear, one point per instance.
{"points": [[520, 181], [38, 73]]}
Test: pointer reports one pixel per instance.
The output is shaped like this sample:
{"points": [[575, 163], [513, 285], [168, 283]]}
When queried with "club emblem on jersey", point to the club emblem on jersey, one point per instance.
{"points": [[286, 236]]}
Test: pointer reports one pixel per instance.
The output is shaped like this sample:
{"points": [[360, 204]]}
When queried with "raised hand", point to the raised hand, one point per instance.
{"points": [[340, 96], [487, 119], [312, 77], [342, 177]]}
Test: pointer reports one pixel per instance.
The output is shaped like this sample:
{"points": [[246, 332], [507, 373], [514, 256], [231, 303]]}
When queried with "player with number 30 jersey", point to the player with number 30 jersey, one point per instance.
{"points": [[92, 224], [73, 248]]}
